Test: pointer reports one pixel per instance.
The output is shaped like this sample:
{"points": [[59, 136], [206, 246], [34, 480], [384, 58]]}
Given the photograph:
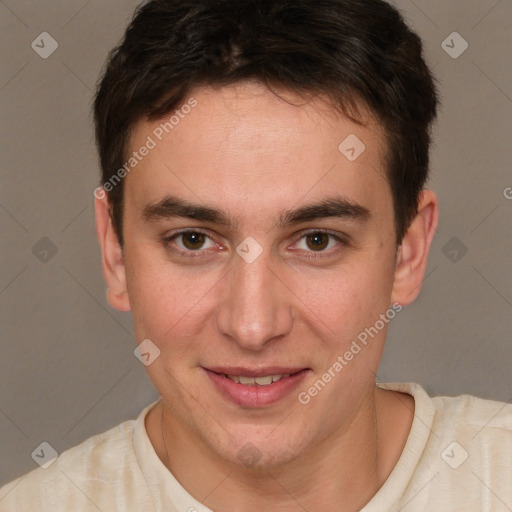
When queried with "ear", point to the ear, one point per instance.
{"points": [[413, 253], [111, 254]]}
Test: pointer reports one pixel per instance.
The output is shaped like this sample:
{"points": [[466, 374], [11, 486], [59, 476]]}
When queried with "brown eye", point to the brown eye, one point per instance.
{"points": [[193, 240], [190, 243], [317, 241]]}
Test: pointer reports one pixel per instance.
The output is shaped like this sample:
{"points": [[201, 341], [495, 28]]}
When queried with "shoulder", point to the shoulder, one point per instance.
{"points": [[483, 426], [475, 417], [459, 451], [467, 456], [464, 413], [79, 478]]}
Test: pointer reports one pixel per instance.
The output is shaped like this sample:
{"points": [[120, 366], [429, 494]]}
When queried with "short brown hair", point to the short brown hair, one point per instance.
{"points": [[351, 51]]}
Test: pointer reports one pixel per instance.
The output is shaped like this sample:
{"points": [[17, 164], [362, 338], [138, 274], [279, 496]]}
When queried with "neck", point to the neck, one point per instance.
{"points": [[341, 472]]}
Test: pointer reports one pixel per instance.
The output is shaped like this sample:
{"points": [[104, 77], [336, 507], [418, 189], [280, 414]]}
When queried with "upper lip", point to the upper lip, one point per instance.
{"points": [[254, 372]]}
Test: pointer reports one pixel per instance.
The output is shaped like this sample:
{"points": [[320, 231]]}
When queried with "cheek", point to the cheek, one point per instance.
{"points": [[342, 302], [168, 303]]}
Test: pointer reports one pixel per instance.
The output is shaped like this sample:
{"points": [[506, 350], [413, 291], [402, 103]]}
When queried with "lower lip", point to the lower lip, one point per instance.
{"points": [[255, 395]]}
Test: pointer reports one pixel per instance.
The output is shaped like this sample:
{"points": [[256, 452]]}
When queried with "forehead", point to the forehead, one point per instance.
{"points": [[243, 145]]}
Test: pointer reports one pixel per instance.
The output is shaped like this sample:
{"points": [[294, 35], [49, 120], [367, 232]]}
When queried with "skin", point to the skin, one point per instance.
{"points": [[249, 153]]}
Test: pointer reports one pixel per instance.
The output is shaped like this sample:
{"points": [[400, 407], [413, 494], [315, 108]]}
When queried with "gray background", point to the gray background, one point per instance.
{"points": [[67, 369]]}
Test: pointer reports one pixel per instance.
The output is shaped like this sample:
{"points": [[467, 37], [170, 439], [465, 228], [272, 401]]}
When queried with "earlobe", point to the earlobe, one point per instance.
{"points": [[112, 256], [413, 253]]}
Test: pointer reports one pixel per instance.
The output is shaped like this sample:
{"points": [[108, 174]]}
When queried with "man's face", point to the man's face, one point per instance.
{"points": [[296, 262]]}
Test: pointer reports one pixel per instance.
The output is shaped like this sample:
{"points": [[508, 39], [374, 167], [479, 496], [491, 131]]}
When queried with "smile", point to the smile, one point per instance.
{"points": [[258, 388], [257, 381]]}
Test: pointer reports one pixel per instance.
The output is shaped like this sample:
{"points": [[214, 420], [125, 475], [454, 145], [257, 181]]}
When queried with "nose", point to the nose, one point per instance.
{"points": [[256, 306]]}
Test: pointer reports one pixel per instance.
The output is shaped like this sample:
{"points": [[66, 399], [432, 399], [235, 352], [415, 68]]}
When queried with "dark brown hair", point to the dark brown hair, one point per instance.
{"points": [[354, 52]]}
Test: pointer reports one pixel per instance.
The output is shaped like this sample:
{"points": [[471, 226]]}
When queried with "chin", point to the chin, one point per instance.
{"points": [[261, 451]]}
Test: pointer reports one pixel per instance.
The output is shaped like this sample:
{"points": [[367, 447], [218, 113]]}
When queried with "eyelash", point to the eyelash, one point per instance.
{"points": [[342, 243], [166, 240]]}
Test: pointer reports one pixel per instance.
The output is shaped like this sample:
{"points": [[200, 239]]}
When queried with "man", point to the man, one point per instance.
{"points": [[263, 215]]}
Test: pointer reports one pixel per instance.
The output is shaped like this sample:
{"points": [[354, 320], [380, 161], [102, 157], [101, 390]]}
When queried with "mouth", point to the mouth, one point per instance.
{"points": [[265, 380], [256, 388]]}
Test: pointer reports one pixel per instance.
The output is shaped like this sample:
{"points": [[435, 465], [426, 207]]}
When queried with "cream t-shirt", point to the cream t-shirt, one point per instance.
{"points": [[458, 457]]}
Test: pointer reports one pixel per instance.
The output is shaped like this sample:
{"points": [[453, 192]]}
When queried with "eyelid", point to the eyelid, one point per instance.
{"points": [[168, 238], [342, 239], [175, 233]]}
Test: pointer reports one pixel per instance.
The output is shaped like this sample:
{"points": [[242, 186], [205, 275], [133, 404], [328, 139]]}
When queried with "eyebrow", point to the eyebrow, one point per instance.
{"points": [[171, 206], [337, 207]]}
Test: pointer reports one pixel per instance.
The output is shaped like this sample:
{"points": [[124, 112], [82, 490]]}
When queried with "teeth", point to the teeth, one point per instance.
{"points": [[264, 381], [260, 381], [246, 380]]}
